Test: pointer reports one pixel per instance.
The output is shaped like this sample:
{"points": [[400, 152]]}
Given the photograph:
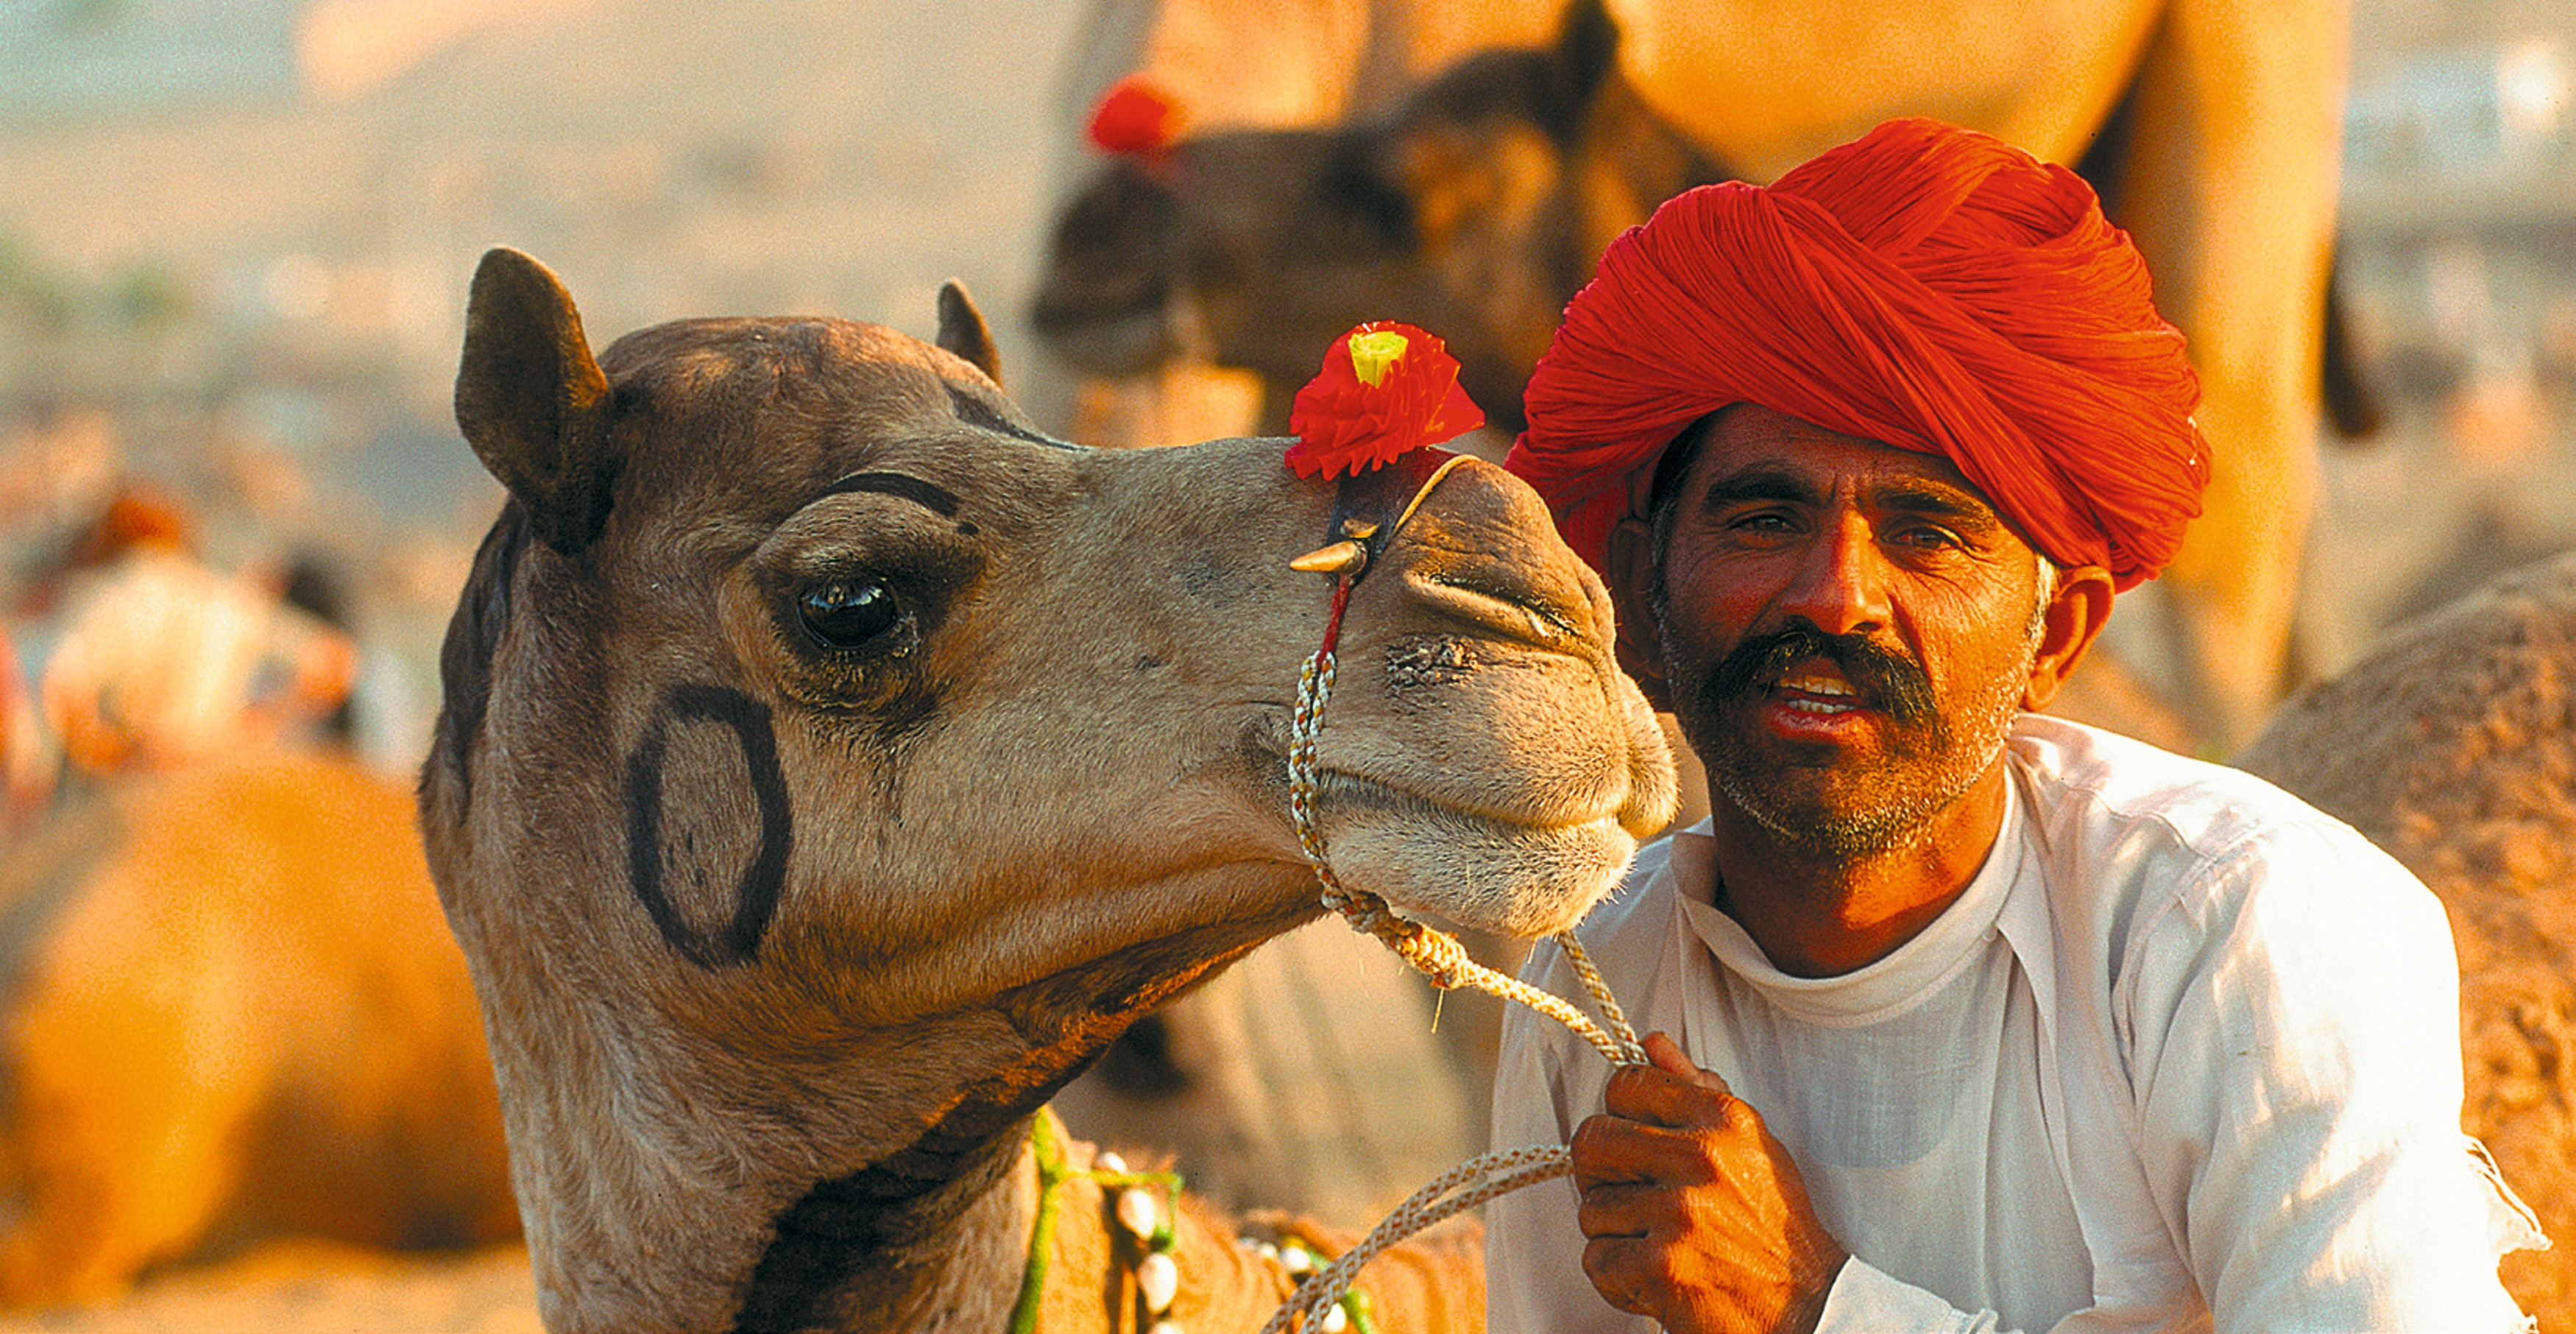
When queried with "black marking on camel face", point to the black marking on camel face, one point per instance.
{"points": [[929, 495], [684, 849]]}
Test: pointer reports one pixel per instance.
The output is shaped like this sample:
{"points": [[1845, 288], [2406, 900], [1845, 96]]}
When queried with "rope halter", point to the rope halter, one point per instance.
{"points": [[1436, 954]]}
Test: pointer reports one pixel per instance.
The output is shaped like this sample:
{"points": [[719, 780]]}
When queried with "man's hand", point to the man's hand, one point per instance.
{"points": [[1694, 1214]]}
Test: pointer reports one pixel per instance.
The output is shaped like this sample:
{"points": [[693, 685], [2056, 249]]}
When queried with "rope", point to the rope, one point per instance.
{"points": [[1438, 956], [1434, 952], [1486, 1177]]}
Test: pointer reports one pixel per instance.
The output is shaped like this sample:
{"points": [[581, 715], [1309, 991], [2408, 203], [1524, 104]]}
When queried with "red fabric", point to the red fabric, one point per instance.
{"points": [[1925, 286], [1344, 424]]}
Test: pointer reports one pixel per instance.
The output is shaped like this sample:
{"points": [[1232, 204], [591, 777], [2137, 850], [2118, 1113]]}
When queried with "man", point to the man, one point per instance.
{"points": [[1968, 1018]]}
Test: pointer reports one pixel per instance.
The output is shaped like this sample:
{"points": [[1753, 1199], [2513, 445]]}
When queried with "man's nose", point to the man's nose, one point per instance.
{"points": [[1840, 582]]}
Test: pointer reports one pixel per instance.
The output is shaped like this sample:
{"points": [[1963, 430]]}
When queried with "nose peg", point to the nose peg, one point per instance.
{"points": [[1343, 557]]}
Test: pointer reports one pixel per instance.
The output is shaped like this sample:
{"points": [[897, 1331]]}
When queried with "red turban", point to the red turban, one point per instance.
{"points": [[1925, 286]]}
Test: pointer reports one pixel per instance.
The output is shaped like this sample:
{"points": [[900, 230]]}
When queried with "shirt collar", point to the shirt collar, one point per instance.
{"points": [[1913, 971]]}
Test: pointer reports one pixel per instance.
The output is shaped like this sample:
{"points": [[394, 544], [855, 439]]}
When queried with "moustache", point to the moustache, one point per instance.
{"points": [[1887, 680]]}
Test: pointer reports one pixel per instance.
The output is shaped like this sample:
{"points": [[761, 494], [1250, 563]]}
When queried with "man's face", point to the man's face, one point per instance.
{"points": [[1847, 630]]}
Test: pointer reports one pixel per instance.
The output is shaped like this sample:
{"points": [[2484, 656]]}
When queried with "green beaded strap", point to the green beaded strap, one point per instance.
{"points": [[1051, 1171], [1155, 1232], [1152, 1226]]}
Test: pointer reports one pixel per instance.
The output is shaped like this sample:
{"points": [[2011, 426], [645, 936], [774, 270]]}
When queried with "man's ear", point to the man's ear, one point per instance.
{"points": [[2074, 618], [1632, 581]]}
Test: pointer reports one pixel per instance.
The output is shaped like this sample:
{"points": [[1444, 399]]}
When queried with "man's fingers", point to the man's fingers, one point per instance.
{"points": [[1612, 1150], [1668, 1056], [1622, 1210], [1661, 1096], [1616, 1266]]}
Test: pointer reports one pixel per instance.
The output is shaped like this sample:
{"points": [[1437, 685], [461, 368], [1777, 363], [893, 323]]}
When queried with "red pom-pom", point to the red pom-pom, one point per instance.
{"points": [[1385, 389], [1134, 116]]}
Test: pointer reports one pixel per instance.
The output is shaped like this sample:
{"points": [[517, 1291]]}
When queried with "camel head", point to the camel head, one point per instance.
{"points": [[831, 764], [1474, 208]]}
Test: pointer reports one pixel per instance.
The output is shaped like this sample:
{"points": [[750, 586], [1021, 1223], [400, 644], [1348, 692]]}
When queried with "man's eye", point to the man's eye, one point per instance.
{"points": [[1927, 537]]}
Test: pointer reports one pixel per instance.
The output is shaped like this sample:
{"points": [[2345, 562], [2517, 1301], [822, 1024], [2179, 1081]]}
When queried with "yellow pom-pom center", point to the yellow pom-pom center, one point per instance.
{"points": [[1372, 353]]}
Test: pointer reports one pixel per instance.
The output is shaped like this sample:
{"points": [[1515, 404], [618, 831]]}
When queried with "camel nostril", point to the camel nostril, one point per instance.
{"points": [[1493, 600]]}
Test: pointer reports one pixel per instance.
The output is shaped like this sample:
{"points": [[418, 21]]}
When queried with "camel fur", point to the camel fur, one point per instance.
{"points": [[831, 765], [2452, 744]]}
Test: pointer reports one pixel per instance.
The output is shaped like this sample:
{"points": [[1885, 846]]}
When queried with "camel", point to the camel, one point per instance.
{"points": [[1475, 206], [1313, 63], [2452, 744], [233, 1014], [831, 764]]}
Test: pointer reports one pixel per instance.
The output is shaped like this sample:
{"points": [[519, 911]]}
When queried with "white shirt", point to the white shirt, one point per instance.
{"points": [[2185, 1053]]}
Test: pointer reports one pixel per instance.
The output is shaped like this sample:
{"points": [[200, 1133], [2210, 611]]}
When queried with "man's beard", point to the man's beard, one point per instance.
{"points": [[1885, 803]]}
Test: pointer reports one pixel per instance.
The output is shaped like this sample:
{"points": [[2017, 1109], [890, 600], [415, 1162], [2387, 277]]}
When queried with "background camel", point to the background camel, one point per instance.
{"points": [[1316, 63], [230, 1014], [831, 765], [1474, 209], [2452, 744]]}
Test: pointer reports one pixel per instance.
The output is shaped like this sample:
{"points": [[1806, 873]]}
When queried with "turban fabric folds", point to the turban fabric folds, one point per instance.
{"points": [[1925, 286]]}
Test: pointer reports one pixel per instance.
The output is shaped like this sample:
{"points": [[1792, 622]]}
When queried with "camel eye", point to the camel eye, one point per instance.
{"points": [[847, 614]]}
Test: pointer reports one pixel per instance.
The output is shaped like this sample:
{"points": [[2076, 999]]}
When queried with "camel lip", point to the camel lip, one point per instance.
{"points": [[1355, 791]]}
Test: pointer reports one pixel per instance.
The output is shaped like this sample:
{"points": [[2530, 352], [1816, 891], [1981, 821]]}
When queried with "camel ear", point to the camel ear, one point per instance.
{"points": [[533, 402], [962, 330], [1587, 49]]}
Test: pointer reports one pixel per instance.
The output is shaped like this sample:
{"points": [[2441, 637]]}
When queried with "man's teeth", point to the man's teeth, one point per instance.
{"points": [[1818, 695]]}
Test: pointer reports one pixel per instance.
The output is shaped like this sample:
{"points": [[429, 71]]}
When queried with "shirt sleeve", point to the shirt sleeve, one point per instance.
{"points": [[2292, 1028]]}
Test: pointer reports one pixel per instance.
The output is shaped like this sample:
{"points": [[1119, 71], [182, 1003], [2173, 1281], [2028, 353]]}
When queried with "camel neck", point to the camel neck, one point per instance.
{"points": [[877, 1239]]}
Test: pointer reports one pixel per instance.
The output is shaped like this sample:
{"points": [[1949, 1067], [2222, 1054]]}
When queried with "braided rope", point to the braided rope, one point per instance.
{"points": [[1484, 1178], [1631, 1051]]}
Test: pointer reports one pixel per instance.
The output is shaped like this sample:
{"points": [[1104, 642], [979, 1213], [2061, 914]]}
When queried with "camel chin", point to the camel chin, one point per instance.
{"points": [[1481, 873]]}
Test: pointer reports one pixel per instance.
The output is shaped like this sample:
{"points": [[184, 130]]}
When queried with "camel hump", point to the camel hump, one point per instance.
{"points": [[962, 330], [532, 400]]}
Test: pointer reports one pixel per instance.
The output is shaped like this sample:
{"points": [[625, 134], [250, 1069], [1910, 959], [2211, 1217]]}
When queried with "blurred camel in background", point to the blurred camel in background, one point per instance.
{"points": [[166, 662], [232, 1013], [1475, 203], [229, 1010]]}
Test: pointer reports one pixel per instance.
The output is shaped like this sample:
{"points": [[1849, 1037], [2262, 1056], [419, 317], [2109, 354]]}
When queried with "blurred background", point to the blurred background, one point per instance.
{"points": [[235, 237], [2459, 243]]}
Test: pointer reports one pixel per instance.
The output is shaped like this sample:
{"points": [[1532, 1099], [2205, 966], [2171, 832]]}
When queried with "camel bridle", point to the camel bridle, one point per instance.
{"points": [[1360, 531], [1356, 542]]}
